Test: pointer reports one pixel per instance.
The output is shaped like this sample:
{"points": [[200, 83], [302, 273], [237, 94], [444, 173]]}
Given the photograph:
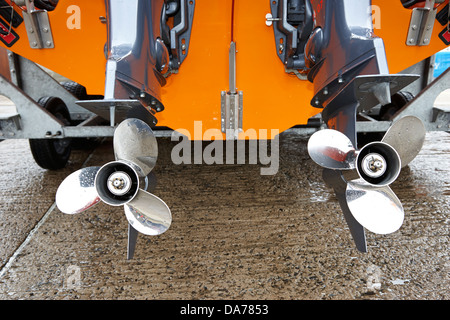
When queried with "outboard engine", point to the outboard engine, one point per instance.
{"points": [[142, 50], [347, 64]]}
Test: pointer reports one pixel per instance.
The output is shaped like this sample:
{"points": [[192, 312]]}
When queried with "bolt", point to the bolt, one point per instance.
{"points": [[34, 44], [375, 164], [45, 30], [48, 43], [183, 46], [281, 47], [414, 27]]}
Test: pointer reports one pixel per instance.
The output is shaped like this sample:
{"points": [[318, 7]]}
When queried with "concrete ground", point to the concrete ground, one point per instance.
{"points": [[235, 234]]}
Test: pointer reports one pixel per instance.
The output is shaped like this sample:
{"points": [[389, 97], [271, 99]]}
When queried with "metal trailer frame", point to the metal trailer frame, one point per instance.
{"points": [[425, 91], [29, 83]]}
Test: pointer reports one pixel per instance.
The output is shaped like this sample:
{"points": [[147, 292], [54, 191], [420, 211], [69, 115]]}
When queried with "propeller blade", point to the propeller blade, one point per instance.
{"points": [[135, 142], [406, 136], [332, 149], [148, 214], [376, 208], [77, 192]]}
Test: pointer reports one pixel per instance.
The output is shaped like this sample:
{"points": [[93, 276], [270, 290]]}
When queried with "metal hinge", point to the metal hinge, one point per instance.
{"points": [[37, 25], [421, 25], [231, 112]]}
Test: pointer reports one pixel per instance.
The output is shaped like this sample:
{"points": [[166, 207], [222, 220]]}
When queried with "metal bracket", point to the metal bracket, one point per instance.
{"points": [[181, 33], [285, 34], [421, 25], [28, 120], [37, 26], [231, 112]]}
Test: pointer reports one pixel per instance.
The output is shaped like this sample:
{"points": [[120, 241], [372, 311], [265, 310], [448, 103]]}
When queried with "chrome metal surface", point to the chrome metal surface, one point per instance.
{"points": [[332, 149], [406, 136], [135, 142], [148, 214], [133, 32], [77, 192], [376, 208]]}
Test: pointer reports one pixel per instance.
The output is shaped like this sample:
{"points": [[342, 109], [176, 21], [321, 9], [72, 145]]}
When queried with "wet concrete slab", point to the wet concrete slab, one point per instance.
{"points": [[235, 233]]}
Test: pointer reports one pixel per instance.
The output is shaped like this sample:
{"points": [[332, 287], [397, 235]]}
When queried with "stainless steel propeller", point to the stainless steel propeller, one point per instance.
{"points": [[368, 196], [121, 182]]}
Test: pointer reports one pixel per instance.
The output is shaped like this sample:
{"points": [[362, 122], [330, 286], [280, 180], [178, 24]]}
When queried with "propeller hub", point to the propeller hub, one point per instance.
{"points": [[374, 165], [117, 183], [378, 164]]}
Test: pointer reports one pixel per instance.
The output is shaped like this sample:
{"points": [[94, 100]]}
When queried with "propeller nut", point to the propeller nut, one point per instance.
{"points": [[374, 165], [119, 183]]}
